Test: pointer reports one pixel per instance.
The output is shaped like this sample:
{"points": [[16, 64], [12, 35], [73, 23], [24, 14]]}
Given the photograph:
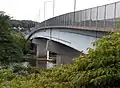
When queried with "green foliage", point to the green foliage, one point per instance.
{"points": [[5, 76], [20, 41], [23, 23], [100, 68], [29, 69], [118, 23], [12, 45]]}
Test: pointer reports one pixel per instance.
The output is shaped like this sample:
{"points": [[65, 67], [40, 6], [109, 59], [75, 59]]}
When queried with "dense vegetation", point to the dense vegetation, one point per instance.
{"points": [[11, 48], [23, 23], [100, 68]]}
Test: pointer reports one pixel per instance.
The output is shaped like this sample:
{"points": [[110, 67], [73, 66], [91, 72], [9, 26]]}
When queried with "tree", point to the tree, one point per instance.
{"points": [[10, 50], [101, 67]]}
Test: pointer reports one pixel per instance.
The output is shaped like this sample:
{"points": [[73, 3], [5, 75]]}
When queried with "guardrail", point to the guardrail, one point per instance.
{"points": [[105, 16]]}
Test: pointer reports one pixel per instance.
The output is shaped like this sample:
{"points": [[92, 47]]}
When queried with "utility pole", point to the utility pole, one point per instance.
{"points": [[39, 16], [74, 11], [53, 7], [45, 13]]}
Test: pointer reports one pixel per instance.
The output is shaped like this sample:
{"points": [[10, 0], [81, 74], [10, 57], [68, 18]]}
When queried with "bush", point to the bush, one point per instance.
{"points": [[100, 68], [12, 45]]}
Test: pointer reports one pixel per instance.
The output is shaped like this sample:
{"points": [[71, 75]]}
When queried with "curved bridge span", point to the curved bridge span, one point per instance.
{"points": [[78, 39], [65, 43], [69, 35]]}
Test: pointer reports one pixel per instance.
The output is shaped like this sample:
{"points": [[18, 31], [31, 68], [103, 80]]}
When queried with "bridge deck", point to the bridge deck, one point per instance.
{"points": [[81, 28], [76, 28]]}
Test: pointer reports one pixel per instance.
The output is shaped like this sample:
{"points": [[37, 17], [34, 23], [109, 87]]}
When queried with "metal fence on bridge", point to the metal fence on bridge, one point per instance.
{"points": [[105, 16]]}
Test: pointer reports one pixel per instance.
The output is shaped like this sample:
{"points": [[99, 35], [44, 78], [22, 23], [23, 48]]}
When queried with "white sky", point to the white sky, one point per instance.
{"points": [[34, 9]]}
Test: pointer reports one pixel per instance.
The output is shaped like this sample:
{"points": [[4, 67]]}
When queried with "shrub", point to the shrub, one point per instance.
{"points": [[100, 68]]}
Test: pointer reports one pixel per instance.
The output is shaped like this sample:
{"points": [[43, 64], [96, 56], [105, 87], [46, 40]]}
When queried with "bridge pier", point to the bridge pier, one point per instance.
{"points": [[64, 54], [41, 47], [63, 59], [41, 53], [48, 50]]}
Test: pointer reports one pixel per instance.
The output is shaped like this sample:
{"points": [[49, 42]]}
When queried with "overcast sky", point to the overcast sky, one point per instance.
{"points": [[34, 9]]}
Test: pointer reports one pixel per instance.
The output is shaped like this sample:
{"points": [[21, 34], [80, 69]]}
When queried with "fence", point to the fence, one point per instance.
{"points": [[105, 16]]}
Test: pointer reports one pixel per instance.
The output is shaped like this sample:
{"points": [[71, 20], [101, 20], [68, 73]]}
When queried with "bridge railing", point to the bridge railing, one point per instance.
{"points": [[105, 16]]}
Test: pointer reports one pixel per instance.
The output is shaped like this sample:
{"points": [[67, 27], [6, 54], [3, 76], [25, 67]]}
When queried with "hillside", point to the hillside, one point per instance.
{"points": [[23, 25]]}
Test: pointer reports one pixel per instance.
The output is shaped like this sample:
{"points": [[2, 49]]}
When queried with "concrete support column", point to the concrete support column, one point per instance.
{"points": [[64, 53], [41, 53], [58, 60], [41, 63], [63, 59], [41, 47], [48, 55]]}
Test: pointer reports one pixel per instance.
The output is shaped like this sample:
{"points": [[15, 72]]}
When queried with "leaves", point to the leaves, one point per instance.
{"points": [[100, 68], [12, 44]]}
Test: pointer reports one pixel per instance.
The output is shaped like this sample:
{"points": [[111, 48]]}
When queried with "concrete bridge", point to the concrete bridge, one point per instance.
{"points": [[67, 36]]}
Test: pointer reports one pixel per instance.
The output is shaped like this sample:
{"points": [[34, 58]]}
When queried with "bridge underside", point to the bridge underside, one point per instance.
{"points": [[69, 34], [80, 40], [61, 53], [63, 44]]}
